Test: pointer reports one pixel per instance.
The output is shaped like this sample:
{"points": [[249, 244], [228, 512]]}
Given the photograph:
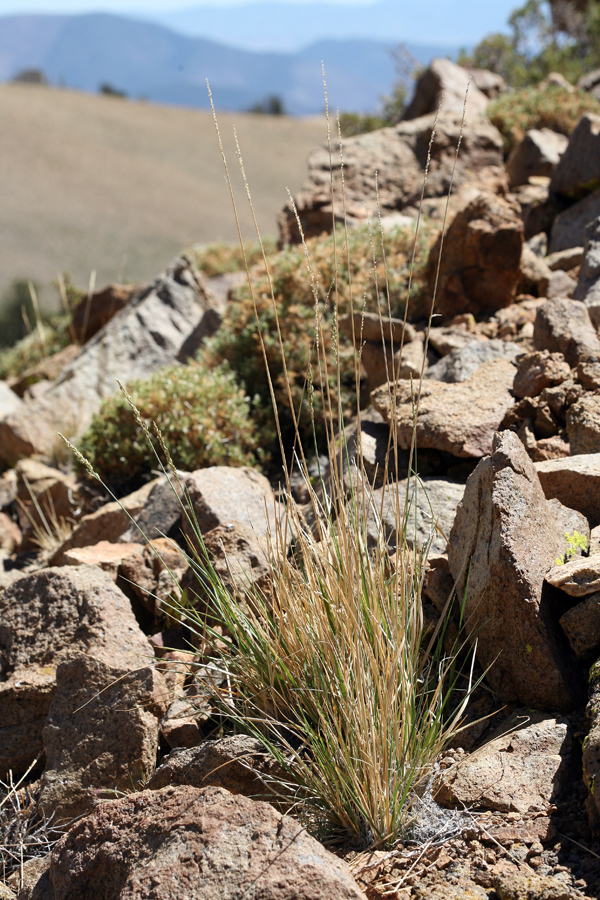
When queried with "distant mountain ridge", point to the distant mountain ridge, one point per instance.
{"points": [[151, 61]]}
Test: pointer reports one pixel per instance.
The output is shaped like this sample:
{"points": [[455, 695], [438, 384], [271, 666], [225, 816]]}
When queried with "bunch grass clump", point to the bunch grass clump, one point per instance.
{"points": [[201, 413], [554, 107]]}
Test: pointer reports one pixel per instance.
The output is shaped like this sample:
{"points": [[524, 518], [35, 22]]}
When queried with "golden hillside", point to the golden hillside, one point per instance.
{"points": [[95, 182]]}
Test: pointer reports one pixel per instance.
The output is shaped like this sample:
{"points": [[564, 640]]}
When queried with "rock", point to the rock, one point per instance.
{"points": [[588, 285], [94, 311], [44, 618], [398, 156], [566, 260], [529, 886], [447, 340], [460, 364], [182, 725], [564, 326], [46, 370], [152, 573], [433, 503], [581, 624], [589, 82], [459, 418], [105, 555], [105, 524], [10, 402], [577, 577], [578, 172], [503, 542], [538, 208], [209, 843], [591, 745], [550, 448], [369, 326], [10, 534], [583, 425], [575, 481], [523, 770], [208, 325], [556, 79], [560, 285], [162, 512], [539, 244], [587, 374], [382, 365], [223, 495], [144, 336], [539, 370], [569, 226], [47, 499], [481, 258], [445, 79], [35, 882], [568, 521], [239, 556], [237, 763], [535, 274], [101, 734], [537, 154], [491, 83]]}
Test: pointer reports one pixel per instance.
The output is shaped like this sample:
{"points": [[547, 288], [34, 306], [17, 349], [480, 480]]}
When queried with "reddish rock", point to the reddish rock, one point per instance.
{"points": [[578, 171], [522, 770], [583, 425], [151, 573], [10, 534], [444, 80], [564, 326], [578, 577], [581, 624], [538, 370], [94, 311], [503, 542], [105, 555], [460, 418], [575, 481], [101, 734], [45, 618], [202, 844]]}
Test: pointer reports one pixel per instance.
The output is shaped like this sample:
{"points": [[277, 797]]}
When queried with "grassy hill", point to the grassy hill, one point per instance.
{"points": [[96, 182]]}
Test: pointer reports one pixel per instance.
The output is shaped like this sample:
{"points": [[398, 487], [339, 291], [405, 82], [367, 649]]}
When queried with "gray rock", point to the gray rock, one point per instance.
{"points": [[578, 577], [101, 734], [433, 503], [564, 326], [525, 769], [590, 82], [539, 244], [460, 364], [143, 337], [578, 171], [503, 542], [45, 618], [161, 513], [588, 285], [221, 496], [535, 274], [490, 83], [538, 208], [538, 370], [575, 481], [537, 154], [560, 284], [444, 77], [568, 228], [208, 843]]}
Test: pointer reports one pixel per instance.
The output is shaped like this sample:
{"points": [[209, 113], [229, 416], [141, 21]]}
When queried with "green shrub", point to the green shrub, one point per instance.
{"points": [[238, 343], [514, 113], [202, 414], [220, 257]]}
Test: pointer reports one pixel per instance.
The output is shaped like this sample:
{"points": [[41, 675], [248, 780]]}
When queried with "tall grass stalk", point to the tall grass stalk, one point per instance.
{"points": [[330, 666]]}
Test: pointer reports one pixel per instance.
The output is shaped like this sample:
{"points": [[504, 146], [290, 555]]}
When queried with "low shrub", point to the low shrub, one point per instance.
{"points": [[220, 257], [202, 414], [516, 112], [238, 342]]}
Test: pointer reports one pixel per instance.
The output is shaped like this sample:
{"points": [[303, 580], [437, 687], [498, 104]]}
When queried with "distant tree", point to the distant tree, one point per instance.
{"points": [[30, 76], [562, 35], [110, 91], [271, 106]]}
